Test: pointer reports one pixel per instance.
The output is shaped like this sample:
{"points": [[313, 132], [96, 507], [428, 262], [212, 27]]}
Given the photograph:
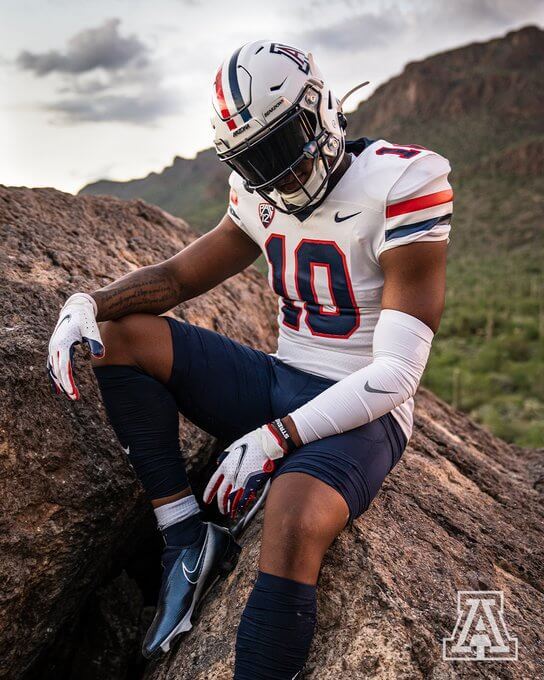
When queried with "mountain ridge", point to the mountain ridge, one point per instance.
{"points": [[429, 88]]}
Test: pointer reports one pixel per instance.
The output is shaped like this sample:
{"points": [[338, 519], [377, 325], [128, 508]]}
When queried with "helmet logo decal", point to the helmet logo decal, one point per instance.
{"points": [[299, 57], [273, 108], [266, 213], [240, 130]]}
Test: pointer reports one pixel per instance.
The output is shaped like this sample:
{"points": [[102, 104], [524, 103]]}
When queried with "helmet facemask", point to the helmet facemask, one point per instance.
{"points": [[273, 155]]}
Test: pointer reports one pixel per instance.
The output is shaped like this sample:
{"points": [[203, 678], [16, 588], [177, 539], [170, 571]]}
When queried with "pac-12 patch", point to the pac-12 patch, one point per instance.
{"points": [[266, 213]]}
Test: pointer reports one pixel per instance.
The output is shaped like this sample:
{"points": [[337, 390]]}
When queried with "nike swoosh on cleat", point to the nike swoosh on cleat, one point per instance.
{"points": [[372, 389], [337, 217], [186, 571]]}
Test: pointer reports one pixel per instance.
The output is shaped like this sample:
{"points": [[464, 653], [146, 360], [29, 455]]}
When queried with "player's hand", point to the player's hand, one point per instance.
{"points": [[76, 325], [243, 469]]}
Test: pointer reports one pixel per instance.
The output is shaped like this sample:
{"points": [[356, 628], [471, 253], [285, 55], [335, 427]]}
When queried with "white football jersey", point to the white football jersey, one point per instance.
{"points": [[324, 267]]}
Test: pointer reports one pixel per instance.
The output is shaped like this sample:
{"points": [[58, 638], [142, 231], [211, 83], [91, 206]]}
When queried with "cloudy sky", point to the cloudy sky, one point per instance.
{"points": [[116, 88]]}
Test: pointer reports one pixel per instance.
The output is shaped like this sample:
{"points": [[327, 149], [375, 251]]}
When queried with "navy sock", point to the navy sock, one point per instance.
{"points": [[177, 536], [144, 416], [276, 629], [185, 532]]}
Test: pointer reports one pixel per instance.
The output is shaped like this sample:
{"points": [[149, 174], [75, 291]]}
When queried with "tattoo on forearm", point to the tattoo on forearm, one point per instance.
{"points": [[145, 290]]}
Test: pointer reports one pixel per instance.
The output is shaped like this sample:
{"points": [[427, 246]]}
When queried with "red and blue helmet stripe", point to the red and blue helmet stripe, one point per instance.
{"points": [[227, 87]]}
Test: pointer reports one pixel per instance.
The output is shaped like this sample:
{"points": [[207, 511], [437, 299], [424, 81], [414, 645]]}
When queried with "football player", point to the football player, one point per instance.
{"points": [[355, 235]]}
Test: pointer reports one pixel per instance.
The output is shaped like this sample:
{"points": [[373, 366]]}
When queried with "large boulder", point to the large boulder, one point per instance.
{"points": [[69, 500], [461, 511]]}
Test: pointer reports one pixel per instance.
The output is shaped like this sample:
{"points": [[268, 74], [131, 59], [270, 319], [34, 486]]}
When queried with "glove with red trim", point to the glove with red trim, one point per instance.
{"points": [[246, 466], [76, 325]]}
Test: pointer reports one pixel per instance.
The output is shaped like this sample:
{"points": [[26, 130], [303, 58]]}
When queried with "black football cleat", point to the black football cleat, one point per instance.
{"points": [[193, 573]]}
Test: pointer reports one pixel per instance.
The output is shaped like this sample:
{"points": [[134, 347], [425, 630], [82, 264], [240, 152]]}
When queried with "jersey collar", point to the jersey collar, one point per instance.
{"points": [[355, 147]]}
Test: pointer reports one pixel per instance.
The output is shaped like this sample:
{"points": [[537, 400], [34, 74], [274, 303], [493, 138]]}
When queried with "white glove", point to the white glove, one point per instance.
{"points": [[243, 468], [76, 324]]}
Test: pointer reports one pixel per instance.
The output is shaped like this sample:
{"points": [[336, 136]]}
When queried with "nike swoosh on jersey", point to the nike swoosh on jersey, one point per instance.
{"points": [[337, 217], [373, 389], [186, 571]]}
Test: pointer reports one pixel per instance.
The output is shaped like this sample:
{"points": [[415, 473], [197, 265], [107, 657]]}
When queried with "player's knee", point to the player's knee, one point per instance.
{"points": [[298, 528]]}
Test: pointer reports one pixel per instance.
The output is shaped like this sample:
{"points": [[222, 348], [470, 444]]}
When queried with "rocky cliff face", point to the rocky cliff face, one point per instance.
{"points": [[71, 510], [78, 558]]}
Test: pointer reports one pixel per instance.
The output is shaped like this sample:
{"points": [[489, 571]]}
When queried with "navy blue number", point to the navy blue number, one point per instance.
{"points": [[275, 249], [342, 318]]}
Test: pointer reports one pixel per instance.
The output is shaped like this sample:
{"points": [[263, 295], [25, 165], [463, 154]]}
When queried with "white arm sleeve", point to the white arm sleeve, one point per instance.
{"points": [[401, 347]]}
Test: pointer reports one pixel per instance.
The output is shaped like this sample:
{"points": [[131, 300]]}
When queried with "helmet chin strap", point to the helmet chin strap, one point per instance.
{"points": [[312, 184], [300, 197]]}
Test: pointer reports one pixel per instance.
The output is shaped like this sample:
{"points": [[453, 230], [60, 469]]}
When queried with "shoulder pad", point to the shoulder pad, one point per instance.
{"points": [[382, 164]]}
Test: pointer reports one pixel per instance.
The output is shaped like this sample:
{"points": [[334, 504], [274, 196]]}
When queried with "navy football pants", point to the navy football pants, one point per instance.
{"points": [[229, 389]]}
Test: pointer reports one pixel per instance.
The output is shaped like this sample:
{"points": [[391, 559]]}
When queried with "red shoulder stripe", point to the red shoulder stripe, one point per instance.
{"points": [[420, 203]]}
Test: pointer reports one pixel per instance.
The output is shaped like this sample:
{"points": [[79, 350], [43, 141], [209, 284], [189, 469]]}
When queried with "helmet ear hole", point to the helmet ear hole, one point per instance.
{"points": [[342, 120]]}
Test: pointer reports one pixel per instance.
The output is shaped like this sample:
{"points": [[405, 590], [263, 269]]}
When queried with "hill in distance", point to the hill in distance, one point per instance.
{"points": [[196, 188], [481, 106]]}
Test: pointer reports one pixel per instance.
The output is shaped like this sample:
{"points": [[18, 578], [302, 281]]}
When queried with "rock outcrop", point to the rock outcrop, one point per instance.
{"points": [[461, 511], [70, 504]]}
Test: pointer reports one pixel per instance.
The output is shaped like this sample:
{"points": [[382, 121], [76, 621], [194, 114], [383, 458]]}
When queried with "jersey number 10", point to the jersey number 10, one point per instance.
{"points": [[339, 322]]}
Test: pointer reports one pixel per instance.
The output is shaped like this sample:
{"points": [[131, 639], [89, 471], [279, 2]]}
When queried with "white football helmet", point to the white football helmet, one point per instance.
{"points": [[272, 110]]}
